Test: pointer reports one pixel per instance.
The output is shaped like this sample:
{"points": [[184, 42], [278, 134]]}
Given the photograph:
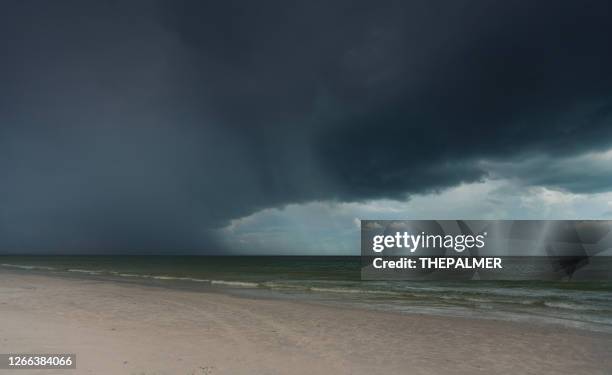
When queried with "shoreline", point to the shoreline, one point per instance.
{"points": [[332, 295], [128, 328]]}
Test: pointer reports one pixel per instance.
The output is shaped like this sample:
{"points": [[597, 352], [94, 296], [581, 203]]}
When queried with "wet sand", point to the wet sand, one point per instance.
{"points": [[117, 328]]}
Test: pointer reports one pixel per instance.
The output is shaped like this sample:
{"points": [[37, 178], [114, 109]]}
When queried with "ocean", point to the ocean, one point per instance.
{"points": [[336, 281]]}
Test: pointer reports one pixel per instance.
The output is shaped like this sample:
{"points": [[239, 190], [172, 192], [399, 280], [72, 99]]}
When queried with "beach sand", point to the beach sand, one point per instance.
{"points": [[119, 328]]}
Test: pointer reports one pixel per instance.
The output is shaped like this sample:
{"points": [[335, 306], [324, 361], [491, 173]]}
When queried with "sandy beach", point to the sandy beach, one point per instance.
{"points": [[118, 328]]}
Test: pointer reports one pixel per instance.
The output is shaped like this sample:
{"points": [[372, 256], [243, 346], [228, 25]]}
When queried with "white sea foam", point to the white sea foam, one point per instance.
{"points": [[242, 284], [27, 267], [163, 277], [570, 306], [195, 280], [89, 272], [284, 286], [354, 291]]}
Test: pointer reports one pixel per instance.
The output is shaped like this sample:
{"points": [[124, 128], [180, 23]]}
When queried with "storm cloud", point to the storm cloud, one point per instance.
{"points": [[147, 125]]}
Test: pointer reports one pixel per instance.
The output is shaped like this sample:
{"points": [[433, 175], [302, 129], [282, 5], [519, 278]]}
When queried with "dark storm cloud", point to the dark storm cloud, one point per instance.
{"points": [[142, 125], [586, 173]]}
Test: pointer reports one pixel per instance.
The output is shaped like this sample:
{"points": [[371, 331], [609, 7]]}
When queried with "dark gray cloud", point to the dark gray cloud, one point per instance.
{"points": [[583, 174], [141, 126]]}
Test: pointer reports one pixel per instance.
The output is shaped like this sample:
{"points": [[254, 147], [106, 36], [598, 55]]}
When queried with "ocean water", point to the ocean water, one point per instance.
{"points": [[336, 280]]}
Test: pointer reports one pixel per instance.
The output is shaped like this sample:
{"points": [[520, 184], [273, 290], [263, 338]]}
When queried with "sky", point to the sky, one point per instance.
{"points": [[272, 127]]}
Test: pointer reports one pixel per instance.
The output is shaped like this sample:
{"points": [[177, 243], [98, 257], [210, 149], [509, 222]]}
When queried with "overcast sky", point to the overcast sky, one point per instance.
{"points": [[273, 126]]}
